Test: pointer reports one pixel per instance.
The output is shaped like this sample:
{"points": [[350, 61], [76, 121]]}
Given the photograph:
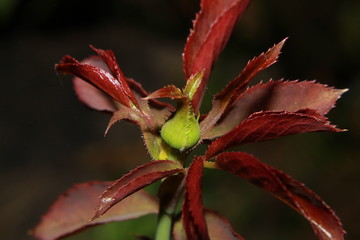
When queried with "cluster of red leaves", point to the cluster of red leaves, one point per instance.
{"points": [[239, 115]]}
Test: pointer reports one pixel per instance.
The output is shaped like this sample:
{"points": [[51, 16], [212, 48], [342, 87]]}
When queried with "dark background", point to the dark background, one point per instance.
{"points": [[48, 140]]}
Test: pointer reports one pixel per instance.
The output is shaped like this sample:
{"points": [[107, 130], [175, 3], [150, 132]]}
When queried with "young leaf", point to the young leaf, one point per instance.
{"points": [[109, 58], [192, 84], [277, 96], [193, 209], [219, 228], [93, 97], [154, 112], [97, 76], [73, 210], [129, 114], [154, 104], [137, 179], [226, 98], [212, 28], [90, 95], [99, 100], [166, 92], [323, 220], [263, 126]]}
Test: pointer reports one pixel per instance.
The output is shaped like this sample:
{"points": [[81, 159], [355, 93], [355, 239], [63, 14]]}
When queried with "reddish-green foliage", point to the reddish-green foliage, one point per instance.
{"points": [[239, 115], [73, 210], [193, 209], [323, 220], [133, 181]]}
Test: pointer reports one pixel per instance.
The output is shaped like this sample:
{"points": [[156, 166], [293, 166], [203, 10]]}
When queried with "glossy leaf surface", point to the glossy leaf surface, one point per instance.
{"points": [[325, 223], [97, 76], [92, 96], [211, 31], [219, 228], [193, 209], [141, 93], [109, 58], [99, 100], [226, 98], [73, 210], [169, 91], [278, 96], [137, 179], [263, 126]]}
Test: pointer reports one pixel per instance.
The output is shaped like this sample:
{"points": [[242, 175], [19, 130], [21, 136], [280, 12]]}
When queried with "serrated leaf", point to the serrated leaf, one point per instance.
{"points": [[155, 112], [96, 76], [219, 228], [109, 58], [322, 218], [137, 179], [90, 95], [129, 114], [211, 31], [99, 100], [277, 96], [72, 211], [169, 91], [154, 104], [193, 209], [227, 97], [268, 125], [192, 84]]}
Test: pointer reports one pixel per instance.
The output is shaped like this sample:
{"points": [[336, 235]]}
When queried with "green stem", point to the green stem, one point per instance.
{"points": [[169, 193], [163, 231]]}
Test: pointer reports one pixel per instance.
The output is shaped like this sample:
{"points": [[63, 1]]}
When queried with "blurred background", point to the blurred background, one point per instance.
{"points": [[48, 140]]}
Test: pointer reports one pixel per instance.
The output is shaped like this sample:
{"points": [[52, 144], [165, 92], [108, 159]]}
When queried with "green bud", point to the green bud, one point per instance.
{"points": [[182, 131]]}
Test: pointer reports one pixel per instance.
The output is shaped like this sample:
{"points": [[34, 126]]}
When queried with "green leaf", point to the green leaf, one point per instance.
{"points": [[193, 84]]}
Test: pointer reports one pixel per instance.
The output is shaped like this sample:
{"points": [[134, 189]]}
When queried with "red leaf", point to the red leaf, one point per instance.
{"points": [[97, 76], [278, 96], [193, 209], [137, 179], [219, 228], [153, 103], [126, 113], [325, 223], [253, 67], [212, 28], [263, 126], [166, 92], [90, 95], [226, 98], [72, 211], [157, 112], [109, 58], [98, 100]]}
